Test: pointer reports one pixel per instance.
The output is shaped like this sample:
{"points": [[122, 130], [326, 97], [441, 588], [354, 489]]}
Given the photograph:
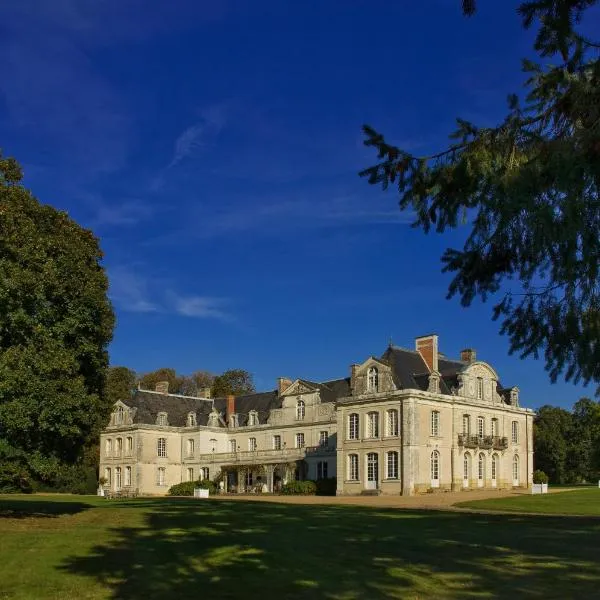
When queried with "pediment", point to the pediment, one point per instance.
{"points": [[300, 387], [481, 369], [372, 361]]}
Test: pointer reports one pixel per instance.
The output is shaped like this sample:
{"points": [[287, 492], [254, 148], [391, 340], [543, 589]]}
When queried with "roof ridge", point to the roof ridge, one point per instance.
{"points": [[175, 395]]}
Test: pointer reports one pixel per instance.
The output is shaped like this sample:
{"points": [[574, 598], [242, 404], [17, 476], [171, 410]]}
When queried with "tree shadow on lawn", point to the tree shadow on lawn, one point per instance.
{"points": [[227, 550], [15, 508]]}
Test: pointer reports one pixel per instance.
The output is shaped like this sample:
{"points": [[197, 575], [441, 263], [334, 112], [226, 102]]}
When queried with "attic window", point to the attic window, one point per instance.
{"points": [[373, 379], [191, 419], [300, 410], [119, 416], [233, 421], [213, 419], [253, 418], [161, 419]]}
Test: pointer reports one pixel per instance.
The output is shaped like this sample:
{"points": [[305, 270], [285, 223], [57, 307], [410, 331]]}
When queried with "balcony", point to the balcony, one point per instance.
{"points": [[486, 442]]}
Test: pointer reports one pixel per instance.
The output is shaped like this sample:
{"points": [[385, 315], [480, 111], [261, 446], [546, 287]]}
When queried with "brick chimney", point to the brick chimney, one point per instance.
{"points": [[230, 406], [427, 347], [162, 387], [283, 383], [468, 355]]}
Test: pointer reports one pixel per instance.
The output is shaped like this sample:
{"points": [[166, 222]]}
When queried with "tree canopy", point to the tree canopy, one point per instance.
{"points": [[55, 325], [120, 383], [234, 381], [530, 190], [149, 380]]}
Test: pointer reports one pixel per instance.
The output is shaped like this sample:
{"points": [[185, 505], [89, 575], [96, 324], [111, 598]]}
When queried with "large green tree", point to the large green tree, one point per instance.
{"points": [[120, 383], [529, 190], [55, 324], [234, 381], [149, 380], [552, 435]]}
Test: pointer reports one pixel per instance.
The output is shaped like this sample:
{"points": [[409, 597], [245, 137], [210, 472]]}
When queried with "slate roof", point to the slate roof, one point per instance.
{"points": [[149, 404]]}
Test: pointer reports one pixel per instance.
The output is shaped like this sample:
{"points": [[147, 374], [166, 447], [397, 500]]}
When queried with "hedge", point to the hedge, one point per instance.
{"points": [[299, 488], [187, 488]]}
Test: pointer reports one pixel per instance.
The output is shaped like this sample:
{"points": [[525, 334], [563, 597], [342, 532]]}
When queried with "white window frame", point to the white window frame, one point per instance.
{"points": [[252, 444], [494, 427], [353, 473], [299, 437], [435, 468], [161, 477], [161, 447], [466, 425], [323, 438], [480, 427], [162, 419], [127, 476], [300, 410], [108, 476], [435, 423], [392, 422], [190, 473], [252, 419], [232, 446], [516, 470], [494, 472], [119, 446], [353, 426], [191, 447], [467, 465], [372, 425], [277, 442], [119, 416], [128, 446], [118, 478], [391, 465], [204, 473], [373, 379], [514, 432], [108, 446], [480, 388], [481, 469]]}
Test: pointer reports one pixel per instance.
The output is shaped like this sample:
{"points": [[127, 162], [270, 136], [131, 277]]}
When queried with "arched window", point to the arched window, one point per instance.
{"points": [[252, 418], [353, 467], [373, 424], [494, 469], [515, 469], [515, 432], [300, 410], [481, 470], [466, 469], [392, 422], [435, 423], [373, 379], [127, 476], [353, 427], [392, 465], [435, 469], [119, 416]]}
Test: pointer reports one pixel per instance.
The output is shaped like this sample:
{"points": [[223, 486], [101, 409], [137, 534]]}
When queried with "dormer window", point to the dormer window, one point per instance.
{"points": [[213, 419], [233, 421], [191, 419], [253, 418], [373, 379], [300, 410], [480, 388], [120, 416], [514, 396], [161, 419]]}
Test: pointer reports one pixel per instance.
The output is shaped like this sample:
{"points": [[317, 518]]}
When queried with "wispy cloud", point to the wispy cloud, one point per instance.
{"points": [[132, 291]]}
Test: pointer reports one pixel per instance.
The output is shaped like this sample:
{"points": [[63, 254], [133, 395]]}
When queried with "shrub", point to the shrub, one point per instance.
{"points": [[540, 477], [14, 478], [299, 488], [70, 479], [207, 484], [326, 487], [182, 489]]}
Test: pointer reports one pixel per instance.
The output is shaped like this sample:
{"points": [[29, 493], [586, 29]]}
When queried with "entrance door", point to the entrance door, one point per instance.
{"points": [[481, 471], [466, 470], [494, 470], [515, 470], [372, 470]]}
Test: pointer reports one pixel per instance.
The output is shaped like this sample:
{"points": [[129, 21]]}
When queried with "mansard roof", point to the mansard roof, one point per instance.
{"points": [[148, 404]]}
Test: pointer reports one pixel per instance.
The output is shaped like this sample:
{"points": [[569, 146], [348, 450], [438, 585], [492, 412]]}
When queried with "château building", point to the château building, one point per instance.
{"points": [[407, 422]]}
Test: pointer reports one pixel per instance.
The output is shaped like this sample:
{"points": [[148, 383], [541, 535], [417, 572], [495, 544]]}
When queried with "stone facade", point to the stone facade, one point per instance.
{"points": [[408, 422]]}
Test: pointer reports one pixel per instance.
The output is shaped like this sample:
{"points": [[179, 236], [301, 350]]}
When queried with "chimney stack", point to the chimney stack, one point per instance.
{"points": [[204, 392], [468, 355], [162, 387], [283, 383], [427, 347], [230, 406]]}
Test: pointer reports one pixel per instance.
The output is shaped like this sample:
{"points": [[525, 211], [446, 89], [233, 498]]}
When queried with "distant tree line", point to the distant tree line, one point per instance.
{"points": [[121, 382], [567, 442]]}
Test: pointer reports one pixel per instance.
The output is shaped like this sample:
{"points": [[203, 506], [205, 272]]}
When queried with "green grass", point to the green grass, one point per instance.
{"points": [[585, 502], [69, 547]]}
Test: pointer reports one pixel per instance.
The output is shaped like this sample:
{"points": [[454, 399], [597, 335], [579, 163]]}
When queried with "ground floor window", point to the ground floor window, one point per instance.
{"points": [[127, 476], [481, 469], [249, 478], [108, 475], [392, 465], [190, 474], [435, 468], [204, 473], [466, 469], [322, 469], [515, 466], [161, 476], [118, 478], [494, 467], [353, 467]]}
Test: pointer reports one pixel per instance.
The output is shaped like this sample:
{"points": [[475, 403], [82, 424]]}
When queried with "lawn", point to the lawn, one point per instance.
{"points": [[72, 547], [579, 502]]}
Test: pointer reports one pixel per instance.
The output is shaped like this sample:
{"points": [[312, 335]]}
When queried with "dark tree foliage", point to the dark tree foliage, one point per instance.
{"points": [[530, 186], [235, 381], [120, 384], [55, 324], [149, 380]]}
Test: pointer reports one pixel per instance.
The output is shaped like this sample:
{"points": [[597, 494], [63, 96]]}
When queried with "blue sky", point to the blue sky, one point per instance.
{"points": [[214, 148]]}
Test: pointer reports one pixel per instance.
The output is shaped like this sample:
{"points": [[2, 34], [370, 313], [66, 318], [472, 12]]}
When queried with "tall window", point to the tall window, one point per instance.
{"points": [[495, 427], [161, 479], [480, 388], [372, 424], [204, 473], [323, 438], [233, 421], [353, 427], [190, 474], [108, 475], [119, 416], [191, 419], [435, 466], [322, 469], [467, 467], [494, 467], [481, 468], [276, 442], [299, 440], [118, 478], [252, 443], [353, 467], [161, 447], [435, 423], [515, 432], [161, 419], [392, 422], [232, 446], [118, 446], [190, 447], [127, 476], [252, 419], [373, 379], [480, 427], [129, 446], [466, 425], [515, 468], [300, 410], [108, 447], [392, 465]]}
